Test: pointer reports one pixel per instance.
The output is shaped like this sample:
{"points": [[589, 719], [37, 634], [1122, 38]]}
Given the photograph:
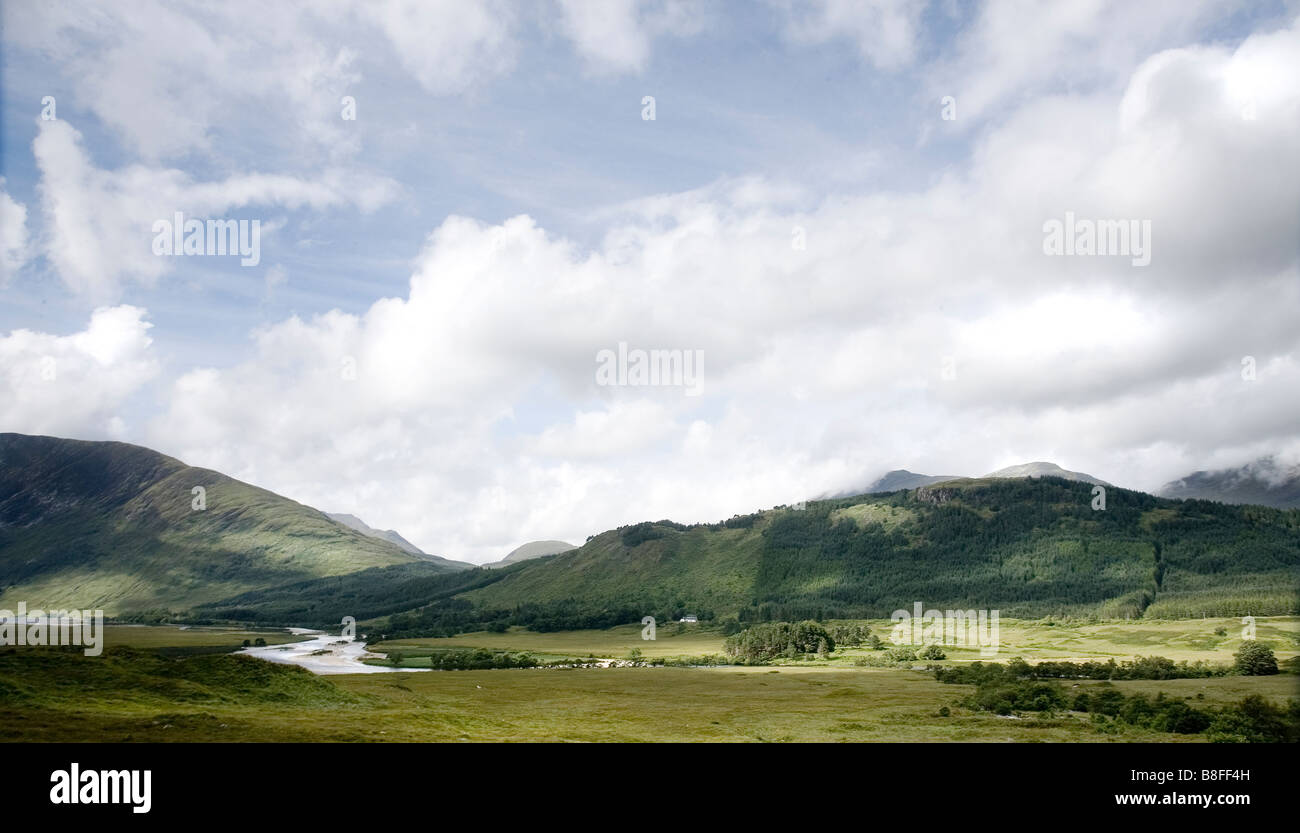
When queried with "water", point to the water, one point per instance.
{"points": [[343, 655]]}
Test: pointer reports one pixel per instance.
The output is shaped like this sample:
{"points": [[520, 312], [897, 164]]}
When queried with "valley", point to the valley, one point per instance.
{"points": [[547, 642]]}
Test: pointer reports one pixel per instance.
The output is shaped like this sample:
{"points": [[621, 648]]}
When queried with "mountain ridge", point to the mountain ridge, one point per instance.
{"points": [[389, 535], [120, 527]]}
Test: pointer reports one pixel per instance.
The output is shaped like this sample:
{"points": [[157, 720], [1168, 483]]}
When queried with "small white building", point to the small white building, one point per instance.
{"points": [[689, 619]]}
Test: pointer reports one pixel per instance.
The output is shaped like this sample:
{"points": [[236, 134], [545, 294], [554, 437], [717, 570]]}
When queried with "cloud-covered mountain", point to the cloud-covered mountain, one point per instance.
{"points": [[904, 479], [1265, 482]]}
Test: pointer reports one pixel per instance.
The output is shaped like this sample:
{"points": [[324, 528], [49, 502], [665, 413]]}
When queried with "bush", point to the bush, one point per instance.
{"points": [[1255, 720], [900, 655], [1255, 659], [932, 652]]}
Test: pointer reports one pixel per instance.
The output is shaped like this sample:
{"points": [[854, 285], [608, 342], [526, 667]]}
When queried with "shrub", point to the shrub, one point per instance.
{"points": [[932, 652], [1255, 659]]}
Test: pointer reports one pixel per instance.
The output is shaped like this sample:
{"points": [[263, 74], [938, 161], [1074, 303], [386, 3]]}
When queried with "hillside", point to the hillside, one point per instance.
{"points": [[1028, 547], [111, 525], [1264, 482]]}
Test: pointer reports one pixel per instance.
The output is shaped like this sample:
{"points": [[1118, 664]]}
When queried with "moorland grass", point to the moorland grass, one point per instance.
{"points": [[138, 695]]}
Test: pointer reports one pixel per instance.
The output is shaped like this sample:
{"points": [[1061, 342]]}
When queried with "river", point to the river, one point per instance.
{"points": [[323, 654]]}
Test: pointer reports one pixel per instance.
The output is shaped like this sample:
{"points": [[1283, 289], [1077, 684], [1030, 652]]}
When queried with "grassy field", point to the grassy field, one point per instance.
{"points": [[172, 636], [135, 701], [615, 642], [140, 693], [1182, 639]]}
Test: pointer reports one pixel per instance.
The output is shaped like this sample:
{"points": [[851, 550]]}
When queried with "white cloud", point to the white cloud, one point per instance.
{"points": [[885, 32], [169, 77], [1016, 48], [13, 235], [616, 36], [98, 223], [474, 421], [447, 45], [75, 385]]}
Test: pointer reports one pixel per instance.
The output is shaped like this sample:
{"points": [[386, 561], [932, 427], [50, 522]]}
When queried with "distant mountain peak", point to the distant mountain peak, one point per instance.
{"points": [[533, 549], [389, 535], [1045, 469], [899, 479]]}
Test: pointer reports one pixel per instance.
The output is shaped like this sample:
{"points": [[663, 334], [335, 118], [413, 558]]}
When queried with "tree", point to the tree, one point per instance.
{"points": [[932, 652], [1255, 659], [395, 658], [763, 642]]}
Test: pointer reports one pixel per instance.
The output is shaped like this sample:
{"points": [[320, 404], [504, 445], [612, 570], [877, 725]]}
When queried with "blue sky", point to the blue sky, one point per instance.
{"points": [[581, 224]]}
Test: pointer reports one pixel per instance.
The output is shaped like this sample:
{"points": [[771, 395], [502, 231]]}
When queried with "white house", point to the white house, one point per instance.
{"points": [[689, 619]]}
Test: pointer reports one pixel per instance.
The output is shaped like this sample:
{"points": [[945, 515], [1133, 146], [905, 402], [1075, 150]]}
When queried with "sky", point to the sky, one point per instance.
{"points": [[843, 209]]}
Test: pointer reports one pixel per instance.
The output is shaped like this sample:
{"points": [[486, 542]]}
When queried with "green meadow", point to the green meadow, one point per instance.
{"points": [[166, 684], [1177, 639], [184, 637]]}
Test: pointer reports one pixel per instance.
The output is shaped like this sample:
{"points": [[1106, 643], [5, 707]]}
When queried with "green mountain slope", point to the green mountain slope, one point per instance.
{"points": [[111, 525], [1028, 547]]}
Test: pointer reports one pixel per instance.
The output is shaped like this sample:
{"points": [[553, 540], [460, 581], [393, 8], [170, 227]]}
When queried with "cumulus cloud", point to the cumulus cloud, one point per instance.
{"points": [[467, 414], [1015, 48], [99, 223], [76, 385], [13, 235]]}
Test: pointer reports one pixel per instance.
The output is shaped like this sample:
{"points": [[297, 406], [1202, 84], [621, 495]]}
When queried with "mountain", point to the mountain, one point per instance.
{"points": [[115, 526], [1265, 482], [533, 549], [899, 479], [903, 479], [1046, 470], [1026, 546], [390, 535]]}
